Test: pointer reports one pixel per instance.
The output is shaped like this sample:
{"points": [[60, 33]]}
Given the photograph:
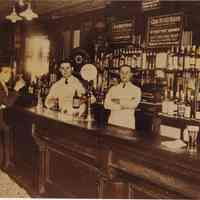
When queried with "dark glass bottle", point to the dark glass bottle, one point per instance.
{"points": [[76, 100]]}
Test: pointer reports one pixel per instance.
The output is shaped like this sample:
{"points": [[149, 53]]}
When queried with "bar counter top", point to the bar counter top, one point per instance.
{"points": [[123, 163]]}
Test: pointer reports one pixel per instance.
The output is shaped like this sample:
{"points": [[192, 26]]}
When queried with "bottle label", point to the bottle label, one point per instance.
{"points": [[76, 103]]}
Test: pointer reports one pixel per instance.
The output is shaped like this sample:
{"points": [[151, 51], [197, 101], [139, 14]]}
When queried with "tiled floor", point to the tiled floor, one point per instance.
{"points": [[9, 189]]}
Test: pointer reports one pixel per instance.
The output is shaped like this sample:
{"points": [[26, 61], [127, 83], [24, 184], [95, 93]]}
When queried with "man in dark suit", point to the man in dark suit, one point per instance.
{"points": [[7, 98]]}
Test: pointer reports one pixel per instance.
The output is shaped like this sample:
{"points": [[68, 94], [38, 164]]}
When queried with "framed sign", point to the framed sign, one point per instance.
{"points": [[122, 31], [165, 30], [150, 5]]}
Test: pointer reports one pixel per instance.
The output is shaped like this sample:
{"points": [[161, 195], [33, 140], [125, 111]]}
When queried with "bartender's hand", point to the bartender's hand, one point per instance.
{"points": [[115, 100], [19, 84], [125, 103]]}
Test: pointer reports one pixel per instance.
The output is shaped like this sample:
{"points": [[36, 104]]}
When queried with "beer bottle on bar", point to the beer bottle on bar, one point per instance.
{"points": [[31, 88], [56, 105], [76, 101]]}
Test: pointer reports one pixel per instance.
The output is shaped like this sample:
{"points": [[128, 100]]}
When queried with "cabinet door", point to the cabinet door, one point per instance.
{"points": [[69, 176]]}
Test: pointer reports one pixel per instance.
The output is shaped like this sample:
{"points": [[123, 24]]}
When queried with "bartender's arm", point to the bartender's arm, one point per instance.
{"points": [[133, 102], [111, 102], [51, 97], [10, 98]]}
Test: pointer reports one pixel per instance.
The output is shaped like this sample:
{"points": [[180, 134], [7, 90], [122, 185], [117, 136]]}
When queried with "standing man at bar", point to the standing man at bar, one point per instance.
{"points": [[64, 90], [7, 98], [122, 100]]}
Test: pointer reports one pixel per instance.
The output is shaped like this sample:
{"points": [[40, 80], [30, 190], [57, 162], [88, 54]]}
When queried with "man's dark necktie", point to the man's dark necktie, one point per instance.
{"points": [[66, 81], [124, 85]]}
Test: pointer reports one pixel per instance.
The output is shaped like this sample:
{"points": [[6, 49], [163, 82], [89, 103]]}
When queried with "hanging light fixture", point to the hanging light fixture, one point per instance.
{"points": [[13, 17], [28, 14]]}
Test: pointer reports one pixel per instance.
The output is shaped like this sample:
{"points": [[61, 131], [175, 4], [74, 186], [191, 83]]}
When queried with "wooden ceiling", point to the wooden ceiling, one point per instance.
{"points": [[54, 8]]}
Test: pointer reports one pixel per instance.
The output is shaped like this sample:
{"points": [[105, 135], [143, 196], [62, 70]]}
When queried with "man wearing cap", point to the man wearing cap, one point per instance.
{"points": [[122, 100]]}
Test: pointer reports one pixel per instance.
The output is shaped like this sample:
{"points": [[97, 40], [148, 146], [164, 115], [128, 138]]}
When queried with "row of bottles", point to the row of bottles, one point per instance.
{"points": [[182, 104], [38, 88], [184, 58], [175, 58], [76, 102]]}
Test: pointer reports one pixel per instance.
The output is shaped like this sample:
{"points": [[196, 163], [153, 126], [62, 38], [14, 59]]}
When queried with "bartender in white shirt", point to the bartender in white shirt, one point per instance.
{"points": [[122, 100], [64, 90]]}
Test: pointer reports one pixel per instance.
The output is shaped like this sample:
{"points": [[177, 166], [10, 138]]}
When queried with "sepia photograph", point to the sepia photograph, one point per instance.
{"points": [[100, 99]]}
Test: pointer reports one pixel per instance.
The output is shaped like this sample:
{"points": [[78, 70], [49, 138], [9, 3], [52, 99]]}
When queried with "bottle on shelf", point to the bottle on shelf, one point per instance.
{"points": [[176, 102], [170, 57], [193, 57], [171, 104], [176, 58], [181, 105], [181, 58], [53, 74], [198, 58], [197, 113], [165, 102], [188, 104], [187, 58]]}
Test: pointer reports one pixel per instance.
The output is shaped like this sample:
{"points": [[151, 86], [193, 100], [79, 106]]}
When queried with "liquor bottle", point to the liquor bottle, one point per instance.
{"points": [[39, 100], [114, 58], [181, 58], [176, 102], [129, 57], [31, 88], [193, 57], [197, 114], [165, 102], [56, 106], [169, 59], [188, 104], [171, 104], [193, 106], [181, 105], [122, 58], [76, 100], [187, 58], [198, 59], [176, 57]]}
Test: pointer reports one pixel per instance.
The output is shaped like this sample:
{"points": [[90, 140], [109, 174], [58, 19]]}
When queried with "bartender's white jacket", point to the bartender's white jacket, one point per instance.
{"points": [[130, 97], [65, 92]]}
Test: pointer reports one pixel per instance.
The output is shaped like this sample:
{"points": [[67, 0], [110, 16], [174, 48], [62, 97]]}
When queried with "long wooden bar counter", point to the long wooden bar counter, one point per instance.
{"points": [[52, 155]]}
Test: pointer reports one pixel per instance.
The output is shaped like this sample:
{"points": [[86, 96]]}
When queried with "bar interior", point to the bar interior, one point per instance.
{"points": [[101, 98]]}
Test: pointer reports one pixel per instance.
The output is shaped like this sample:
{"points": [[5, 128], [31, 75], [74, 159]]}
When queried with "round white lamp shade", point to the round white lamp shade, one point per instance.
{"points": [[89, 72]]}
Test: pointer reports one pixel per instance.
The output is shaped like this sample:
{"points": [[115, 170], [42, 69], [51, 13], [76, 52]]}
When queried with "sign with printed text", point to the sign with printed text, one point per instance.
{"points": [[123, 31], [164, 30], [150, 4]]}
